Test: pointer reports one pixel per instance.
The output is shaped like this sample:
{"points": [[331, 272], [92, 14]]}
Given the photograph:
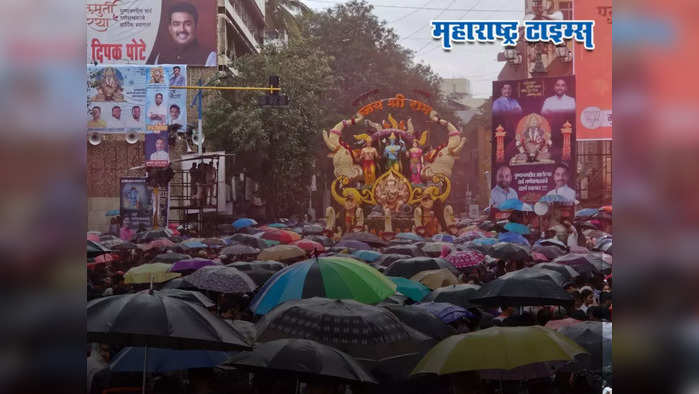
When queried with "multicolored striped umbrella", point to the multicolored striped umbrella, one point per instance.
{"points": [[329, 277], [282, 236]]}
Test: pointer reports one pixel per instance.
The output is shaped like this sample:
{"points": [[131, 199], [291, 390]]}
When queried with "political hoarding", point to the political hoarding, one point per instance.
{"points": [[136, 207], [151, 32], [533, 140], [123, 99]]}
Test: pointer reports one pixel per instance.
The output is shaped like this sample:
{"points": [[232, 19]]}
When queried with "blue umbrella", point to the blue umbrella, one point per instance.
{"points": [[556, 198], [517, 228], [514, 238], [112, 212], [443, 238], [514, 204], [416, 291], [244, 222], [193, 245], [130, 359], [367, 255], [586, 212], [410, 236], [484, 241], [445, 311], [277, 225]]}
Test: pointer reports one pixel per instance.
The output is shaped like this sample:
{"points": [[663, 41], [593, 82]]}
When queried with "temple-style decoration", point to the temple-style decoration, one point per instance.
{"points": [[500, 141], [388, 169], [566, 131]]}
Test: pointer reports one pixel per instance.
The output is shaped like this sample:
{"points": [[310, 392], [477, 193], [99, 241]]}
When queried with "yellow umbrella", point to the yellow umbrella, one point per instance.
{"points": [[150, 273], [434, 279]]}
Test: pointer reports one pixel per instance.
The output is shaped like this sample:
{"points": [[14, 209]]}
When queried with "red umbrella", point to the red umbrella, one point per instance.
{"points": [[606, 208], [539, 257], [159, 243], [309, 246], [283, 236], [465, 259]]}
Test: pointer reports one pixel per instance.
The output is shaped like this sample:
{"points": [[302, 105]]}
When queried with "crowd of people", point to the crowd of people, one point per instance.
{"points": [[590, 293]]}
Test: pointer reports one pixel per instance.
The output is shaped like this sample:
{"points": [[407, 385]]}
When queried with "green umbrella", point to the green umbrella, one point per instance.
{"points": [[416, 291], [504, 352]]}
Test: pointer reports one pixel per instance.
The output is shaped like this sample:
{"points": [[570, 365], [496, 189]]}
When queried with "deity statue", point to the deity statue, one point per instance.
{"points": [[416, 162], [367, 156], [533, 144], [354, 216], [392, 191], [392, 153], [425, 219], [109, 88]]}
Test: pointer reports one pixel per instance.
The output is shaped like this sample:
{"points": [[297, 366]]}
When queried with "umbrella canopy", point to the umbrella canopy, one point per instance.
{"points": [[281, 236], [150, 273], [277, 225], [249, 240], [321, 239], [444, 238], [586, 213], [469, 236], [517, 228], [171, 257], [365, 237], [568, 272], [178, 283], [550, 251], [410, 250], [309, 246], [407, 268], [400, 241], [312, 229], [155, 320], [556, 199], [189, 265], [281, 253], [606, 208], [499, 351], [515, 291], [112, 243], [258, 271], [363, 331], [590, 335], [445, 311], [368, 256], [537, 273], [434, 249], [539, 257], [130, 359], [604, 245], [244, 222], [552, 242], [514, 238], [486, 241], [214, 242], [190, 244], [239, 250], [514, 204], [409, 236], [221, 279], [189, 295], [416, 291], [125, 246], [459, 295], [152, 235], [510, 251], [421, 320], [95, 249], [304, 357], [160, 243], [582, 263], [353, 244], [330, 277], [560, 323], [465, 259], [388, 259], [435, 279]]}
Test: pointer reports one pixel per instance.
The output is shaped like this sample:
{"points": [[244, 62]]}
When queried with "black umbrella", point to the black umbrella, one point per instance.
{"points": [[579, 262], [516, 291], [550, 251], [460, 295], [537, 273], [171, 257], [387, 259], [304, 357], [411, 250], [249, 240], [510, 251], [421, 320], [487, 225], [485, 249], [189, 295], [568, 272], [258, 271], [178, 283], [152, 235], [407, 268], [363, 331], [95, 249], [400, 241], [396, 299], [125, 246], [365, 237], [321, 239], [240, 250], [153, 319], [591, 336]]}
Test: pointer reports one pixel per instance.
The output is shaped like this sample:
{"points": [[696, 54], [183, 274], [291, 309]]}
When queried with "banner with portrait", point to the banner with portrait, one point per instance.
{"points": [[136, 203], [533, 124], [595, 68], [156, 149], [123, 99], [151, 32]]}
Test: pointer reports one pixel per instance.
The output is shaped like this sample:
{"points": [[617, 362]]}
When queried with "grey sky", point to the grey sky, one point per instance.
{"points": [[477, 62]]}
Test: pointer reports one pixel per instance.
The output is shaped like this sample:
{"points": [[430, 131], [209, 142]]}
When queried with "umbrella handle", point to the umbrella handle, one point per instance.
{"points": [[145, 366]]}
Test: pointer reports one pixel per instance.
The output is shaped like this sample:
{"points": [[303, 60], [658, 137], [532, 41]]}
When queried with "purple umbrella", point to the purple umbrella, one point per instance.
{"points": [[190, 264], [353, 244], [445, 311]]}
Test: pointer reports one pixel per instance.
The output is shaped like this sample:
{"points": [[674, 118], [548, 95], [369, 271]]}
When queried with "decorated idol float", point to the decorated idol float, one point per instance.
{"points": [[390, 177]]}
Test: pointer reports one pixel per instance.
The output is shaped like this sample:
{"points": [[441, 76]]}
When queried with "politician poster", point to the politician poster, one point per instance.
{"points": [[533, 140], [151, 32], [594, 107], [135, 98], [136, 207]]}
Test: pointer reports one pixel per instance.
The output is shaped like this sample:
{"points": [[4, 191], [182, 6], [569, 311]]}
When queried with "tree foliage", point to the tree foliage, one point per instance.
{"points": [[283, 16]]}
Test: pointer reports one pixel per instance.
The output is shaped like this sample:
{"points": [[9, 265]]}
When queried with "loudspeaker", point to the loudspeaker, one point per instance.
{"points": [[95, 138], [131, 138], [198, 139]]}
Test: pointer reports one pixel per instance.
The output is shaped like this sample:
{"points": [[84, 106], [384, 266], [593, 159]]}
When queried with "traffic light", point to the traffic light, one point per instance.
{"points": [[273, 98]]}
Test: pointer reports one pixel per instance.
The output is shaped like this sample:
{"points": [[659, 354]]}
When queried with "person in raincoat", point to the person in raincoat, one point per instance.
{"points": [[97, 361]]}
